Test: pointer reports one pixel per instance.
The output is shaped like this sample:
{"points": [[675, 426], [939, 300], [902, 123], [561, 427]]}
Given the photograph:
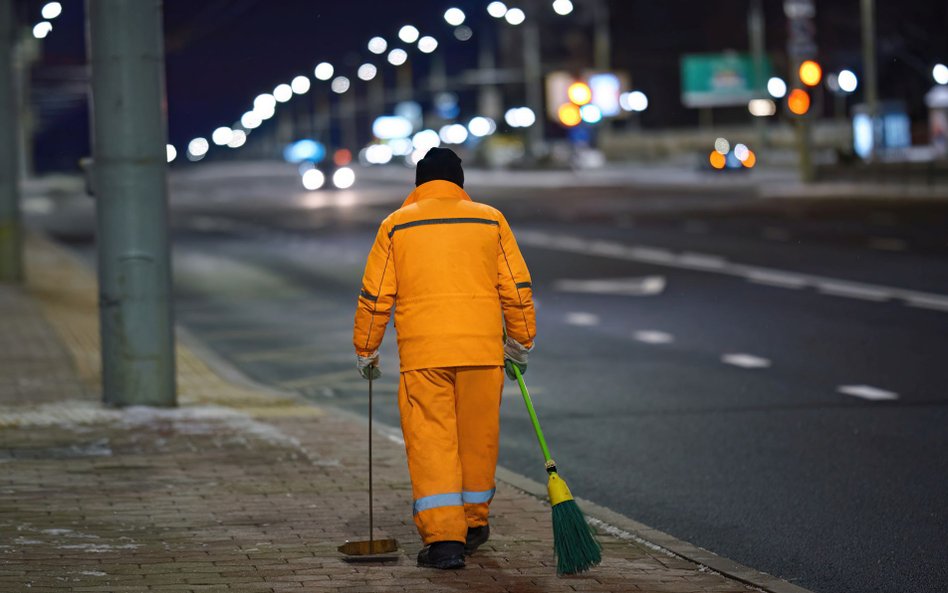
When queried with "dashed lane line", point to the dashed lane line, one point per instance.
{"points": [[653, 337], [745, 361], [867, 392], [755, 274], [582, 319]]}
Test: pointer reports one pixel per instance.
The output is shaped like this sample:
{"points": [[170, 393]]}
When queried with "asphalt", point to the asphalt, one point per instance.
{"points": [[241, 488]]}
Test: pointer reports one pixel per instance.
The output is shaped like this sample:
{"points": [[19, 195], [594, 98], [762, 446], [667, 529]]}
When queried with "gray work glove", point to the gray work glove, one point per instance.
{"points": [[369, 366], [515, 353]]}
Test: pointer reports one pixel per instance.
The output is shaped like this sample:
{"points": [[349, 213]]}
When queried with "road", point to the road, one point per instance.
{"points": [[764, 379]]}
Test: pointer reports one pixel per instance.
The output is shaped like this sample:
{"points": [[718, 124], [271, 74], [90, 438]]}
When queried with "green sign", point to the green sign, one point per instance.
{"points": [[719, 80]]}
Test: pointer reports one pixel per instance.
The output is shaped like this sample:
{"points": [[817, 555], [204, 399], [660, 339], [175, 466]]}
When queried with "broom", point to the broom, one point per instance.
{"points": [[573, 543]]}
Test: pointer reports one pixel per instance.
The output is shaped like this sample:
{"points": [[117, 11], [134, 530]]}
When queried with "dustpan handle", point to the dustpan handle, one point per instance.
{"points": [[532, 412]]}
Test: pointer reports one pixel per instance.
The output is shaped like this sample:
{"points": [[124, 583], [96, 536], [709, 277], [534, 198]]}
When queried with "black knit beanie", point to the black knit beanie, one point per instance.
{"points": [[439, 163]]}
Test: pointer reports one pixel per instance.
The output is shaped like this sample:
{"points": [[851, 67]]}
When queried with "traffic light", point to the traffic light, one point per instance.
{"points": [[811, 73], [798, 101]]}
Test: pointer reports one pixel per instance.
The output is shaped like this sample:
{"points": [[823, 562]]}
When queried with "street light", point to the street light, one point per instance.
{"points": [[283, 93], [397, 57], [339, 85], [222, 135], [563, 7], [454, 16], [377, 45], [847, 81], [52, 10], [42, 29], [408, 34], [776, 87], [427, 44], [940, 73], [367, 72], [300, 85], [323, 71], [515, 16], [497, 9]]}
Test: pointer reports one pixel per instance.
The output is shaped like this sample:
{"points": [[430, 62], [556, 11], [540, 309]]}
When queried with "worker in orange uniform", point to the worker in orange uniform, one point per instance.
{"points": [[463, 311]]}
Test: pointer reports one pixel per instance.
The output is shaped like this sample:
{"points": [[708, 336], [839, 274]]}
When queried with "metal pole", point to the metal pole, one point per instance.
{"points": [[755, 26], [602, 38], [11, 232], [871, 83], [126, 53], [533, 79]]}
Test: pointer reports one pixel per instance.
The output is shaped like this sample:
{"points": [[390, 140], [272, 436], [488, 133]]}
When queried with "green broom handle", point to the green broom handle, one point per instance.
{"points": [[533, 414]]}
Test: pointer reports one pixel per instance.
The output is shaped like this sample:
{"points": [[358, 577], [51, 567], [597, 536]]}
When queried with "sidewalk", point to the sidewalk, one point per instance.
{"points": [[240, 488]]}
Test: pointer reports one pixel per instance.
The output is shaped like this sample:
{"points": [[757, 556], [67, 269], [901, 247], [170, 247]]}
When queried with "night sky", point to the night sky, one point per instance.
{"points": [[222, 53]]}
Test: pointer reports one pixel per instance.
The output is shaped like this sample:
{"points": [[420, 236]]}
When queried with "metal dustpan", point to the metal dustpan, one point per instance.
{"points": [[370, 550]]}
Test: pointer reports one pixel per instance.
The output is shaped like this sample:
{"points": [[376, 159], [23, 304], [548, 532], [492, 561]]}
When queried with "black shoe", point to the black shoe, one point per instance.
{"points": [[443, 555], [475, 537]]}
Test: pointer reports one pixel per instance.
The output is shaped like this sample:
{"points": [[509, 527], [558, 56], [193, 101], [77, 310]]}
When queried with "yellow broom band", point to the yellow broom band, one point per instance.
{"points": [[558, 490]]}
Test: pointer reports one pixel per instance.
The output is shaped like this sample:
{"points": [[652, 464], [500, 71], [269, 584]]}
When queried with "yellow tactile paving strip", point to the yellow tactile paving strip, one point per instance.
{"points": [[67, 292]]}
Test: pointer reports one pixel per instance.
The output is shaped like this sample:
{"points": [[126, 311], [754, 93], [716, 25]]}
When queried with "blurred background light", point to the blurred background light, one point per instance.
{"points": [[481, 126], [590, 114], [520, 117], [343, 178], [579, 93], [463, 33], [569, 115], [497, 9], [171, 151], [453, 134], [750, 160], [605, 93], [427, 44], [388, 127], [379, 154], [426, 140], [776, 87], [636, 101], [515, 16], [367, 72], [313, 179], [562, 7], [810, 73], [377, 45], [307, 150], [238, 138], [940, 73], [342, 157], [397, 57], [761, 107], [52, 10], [42, 29], [722, 145], [222, 135], [408, 34], [798, 101], [339, 85], [198, 147], [847, 81], [264, 102], [454, 16], [717, 159], [300, 85], [741, 151], [400, 146], [283, 93], [250, 120], [323, 71]]}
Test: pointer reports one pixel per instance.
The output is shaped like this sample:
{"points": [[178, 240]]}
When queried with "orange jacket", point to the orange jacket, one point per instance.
{"points": [[452, 270]]}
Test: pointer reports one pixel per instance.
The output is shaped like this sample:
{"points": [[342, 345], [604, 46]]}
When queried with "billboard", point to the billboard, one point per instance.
{"points": [[721, 80]]}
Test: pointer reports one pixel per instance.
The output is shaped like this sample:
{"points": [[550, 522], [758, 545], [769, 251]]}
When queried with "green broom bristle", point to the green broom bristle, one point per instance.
{"points": [[573, 542]]}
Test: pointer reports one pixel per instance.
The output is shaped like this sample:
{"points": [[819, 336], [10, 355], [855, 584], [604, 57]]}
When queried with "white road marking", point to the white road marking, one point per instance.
{"points": [[854, 291], [653, 337], [647, 285], [931, 302], [745, 361], [756, 274], [867, 392], [582, 319], [702, 261], [778, 279], [887, 244]]}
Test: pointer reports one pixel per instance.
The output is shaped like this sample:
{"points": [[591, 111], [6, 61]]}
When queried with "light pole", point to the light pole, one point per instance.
{"points": [[11, 239], [869, 66], [126, 52]]}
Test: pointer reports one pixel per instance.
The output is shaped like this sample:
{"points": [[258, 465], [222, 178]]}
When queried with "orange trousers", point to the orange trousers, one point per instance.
{"points": [[451, 423]]}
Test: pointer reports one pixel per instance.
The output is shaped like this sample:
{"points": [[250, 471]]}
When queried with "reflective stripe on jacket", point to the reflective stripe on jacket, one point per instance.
{"points": [[452, 270]]}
